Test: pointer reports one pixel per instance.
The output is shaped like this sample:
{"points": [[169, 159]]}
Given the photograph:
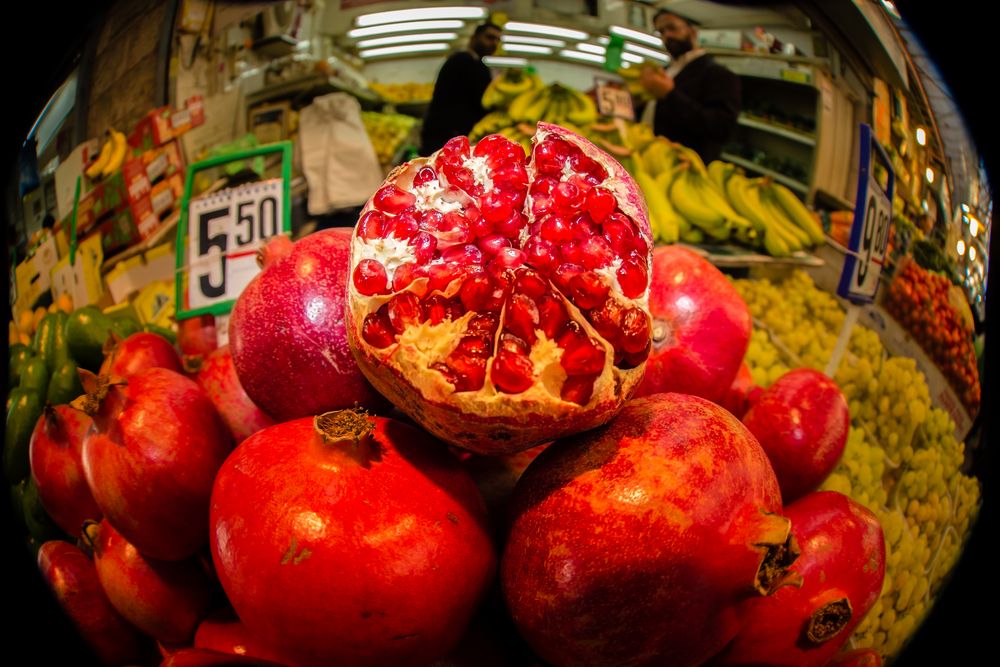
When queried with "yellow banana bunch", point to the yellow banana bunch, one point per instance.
{"points": [[659, 156], [554, 104], [687, 197], [663, 218], [119, 148], [639, 136], [690, 156], [97, 166], [508, 85], [745, 196], [798, 213], [720, 172], [582, 110], [528, 107], [491, 123], [774, 210]]}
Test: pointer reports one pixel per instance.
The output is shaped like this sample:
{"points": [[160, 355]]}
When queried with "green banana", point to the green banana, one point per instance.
{"points": [[797, 212]]}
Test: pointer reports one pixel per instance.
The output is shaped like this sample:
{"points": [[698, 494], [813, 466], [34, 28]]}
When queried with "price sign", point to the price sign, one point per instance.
{"points": [[613, 100], [872, 219], [220, 233]]}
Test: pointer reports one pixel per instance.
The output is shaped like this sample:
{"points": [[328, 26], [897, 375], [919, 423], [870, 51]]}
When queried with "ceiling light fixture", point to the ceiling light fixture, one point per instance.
{"points": [[405, 48], [419, 14], [504, 61], [407, 39], [526, 48], [636, 36], [580, 55], [414, 26], [549, 30], [540, 41], [650, 53]]}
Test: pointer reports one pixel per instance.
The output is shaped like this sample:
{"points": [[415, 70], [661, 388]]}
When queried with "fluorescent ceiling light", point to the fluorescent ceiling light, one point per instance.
{"points": [[406, 39], [503, 61], [929, 173], [974, 227], [541, 41], [550, 30], [649, 53], [603, 39], [960, 247], [420, 14], [972, 252], [631, 58], [590, 48], [406, 48], [636, 36], [965, 207], [921, 136], [415, 26], [580, 55], [526, 48]]}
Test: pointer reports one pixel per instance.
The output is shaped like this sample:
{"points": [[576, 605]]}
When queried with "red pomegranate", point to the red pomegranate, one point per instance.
{"points": [[349, 540], [802, 423], [56, 466], [287, 334], [500, 303], [842, 565], [196, 336], [701, 327], [861, 657], [151, 460], [742, 393], [223, 631], [125, 357], [164, 599], [633, 544], [203, 657], [217, 376], [73, 580]]}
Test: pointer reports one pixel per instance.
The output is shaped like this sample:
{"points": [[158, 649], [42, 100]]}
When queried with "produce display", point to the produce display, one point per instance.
{"points": [[924, 302], [507, 85], [388, 132], [400, 93]]}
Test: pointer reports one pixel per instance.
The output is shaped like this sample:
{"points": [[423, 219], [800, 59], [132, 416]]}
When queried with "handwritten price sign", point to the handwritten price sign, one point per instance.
{"points": [[612, 100]]}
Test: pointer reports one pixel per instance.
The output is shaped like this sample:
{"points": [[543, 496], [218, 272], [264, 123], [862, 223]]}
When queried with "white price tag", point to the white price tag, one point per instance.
{"points": [[612, 100], [225, 230]]}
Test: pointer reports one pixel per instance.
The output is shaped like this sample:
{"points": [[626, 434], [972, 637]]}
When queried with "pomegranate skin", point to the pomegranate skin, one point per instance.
{"points": [[196, 336], [287, 334], [633, 544], [861, 657], [701, 327], [203, 657], [73, 580], [139, 352], [151, 461], [375, 553], [842, 557], [217, 376], [802, 422], [56, 466], [742, 393], [223, 631], [164, 599]]}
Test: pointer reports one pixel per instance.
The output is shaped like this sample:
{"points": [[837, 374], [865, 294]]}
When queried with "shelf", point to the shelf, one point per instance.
{"points": [[798, 186], [314, 82], [774, 128], [733, 256], [778, 57]]}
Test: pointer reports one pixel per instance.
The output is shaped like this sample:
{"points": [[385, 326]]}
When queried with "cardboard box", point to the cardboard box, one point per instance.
{"points": [[67, 173], [82, 280], [163, 124], [133, 274], [32, 276], [118, 231]]}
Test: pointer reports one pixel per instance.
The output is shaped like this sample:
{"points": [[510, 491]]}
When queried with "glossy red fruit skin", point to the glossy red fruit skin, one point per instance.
{"points": [[217, 376], [197, 336], [203, 657], [742, 393], [701, 327], [151, 461], [633, 544], [139, 352], [164, 599], [802, 422], [842, 555], [334, 555], [57, 468], [223, 631], [860, 657], [287, 335], [73, 580]]}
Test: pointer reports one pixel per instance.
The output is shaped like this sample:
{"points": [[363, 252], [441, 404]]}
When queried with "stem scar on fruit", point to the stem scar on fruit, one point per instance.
{"points": [[351, 425], [828, 620]]}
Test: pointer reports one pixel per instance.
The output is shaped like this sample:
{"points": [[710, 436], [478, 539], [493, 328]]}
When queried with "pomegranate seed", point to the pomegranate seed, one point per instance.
{"points": [[596, 252], [424, 246], [442, 275], [498, 150], [542, 185], [513, 344], [633, 359], [496, 208], [590, 168], [512, 178], [377, 330], [456, 147], [522, 317], [370, 277], [463, 254], [600, 204], [506, 259], [564, 274], [582, 355], [550, 155], [635, 330], [607, 319], [541, 254], [566, 197], [541, 205], [557, 229], [584, 227], [431, 221], [570, 252], [454, 229], [578, 389], [371, 225], [479, 227], [469, 371], [425, 175], [552, 316], [531, 283], [511, 227], [512, 373], [493, 244], [404, 226], [404, 310], [448, 374], [473, 346], [632, 278], [405, 274], [476, 292], [483, 324], [391, 199], [587, 290], [437, 309], [582, 184], [620, 232], [462, 178]]}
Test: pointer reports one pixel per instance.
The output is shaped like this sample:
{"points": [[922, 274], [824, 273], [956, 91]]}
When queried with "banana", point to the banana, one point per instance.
{"points": [[774, 209], [745, 200], [692, 235], [716, 199], [97, 166], [719, 171], [539, 104], [686, 199], [659, 156], [797, 212], [689, 155], [582, 109], [776, 225], [117, 154], [662, 217], [520, 104]]}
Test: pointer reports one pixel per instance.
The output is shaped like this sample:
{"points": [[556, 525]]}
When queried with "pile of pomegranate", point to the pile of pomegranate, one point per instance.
{"points": [[491, 425]]}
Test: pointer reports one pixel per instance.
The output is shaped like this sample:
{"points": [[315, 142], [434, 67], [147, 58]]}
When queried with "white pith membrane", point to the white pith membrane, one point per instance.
{"points": [[420, 346]]}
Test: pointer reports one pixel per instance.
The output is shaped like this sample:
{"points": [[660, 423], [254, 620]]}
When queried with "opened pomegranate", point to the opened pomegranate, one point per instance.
{"points": [[842, 565], [634, 544], [126, 357], [164, 599], [350, 540], [57, 467], [501, 303], [287, 334], [802, 422], [217, 376], [701, 327], [152, 457]]}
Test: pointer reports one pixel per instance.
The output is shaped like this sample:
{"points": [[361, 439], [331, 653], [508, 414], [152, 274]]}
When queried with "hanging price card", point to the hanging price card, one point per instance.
{"points": [[613, 100], [872, 219]]}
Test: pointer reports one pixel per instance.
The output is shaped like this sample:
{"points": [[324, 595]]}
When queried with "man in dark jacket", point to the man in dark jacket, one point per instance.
{"points": [[458, 92], [697, 100]]}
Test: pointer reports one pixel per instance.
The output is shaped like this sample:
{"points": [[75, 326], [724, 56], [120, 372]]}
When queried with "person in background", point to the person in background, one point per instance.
{"points": [[696, 101], [456, 104]]}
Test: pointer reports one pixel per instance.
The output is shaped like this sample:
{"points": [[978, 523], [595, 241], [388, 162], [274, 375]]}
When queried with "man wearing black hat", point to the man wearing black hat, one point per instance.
{"points": [[697, 100], [458, 92]]}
